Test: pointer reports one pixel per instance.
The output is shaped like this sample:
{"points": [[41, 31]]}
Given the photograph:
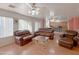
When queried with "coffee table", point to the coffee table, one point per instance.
{"points": [[40, 40]]}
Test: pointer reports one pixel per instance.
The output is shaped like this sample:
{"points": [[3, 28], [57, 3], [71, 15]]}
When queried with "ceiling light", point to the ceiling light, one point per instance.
{"points": [[33, 12], [34, 9]]}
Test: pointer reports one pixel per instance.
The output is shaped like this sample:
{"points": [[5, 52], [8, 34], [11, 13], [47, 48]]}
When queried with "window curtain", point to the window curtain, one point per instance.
{"points": [[25, 25], [6, 26], [29, 25]]}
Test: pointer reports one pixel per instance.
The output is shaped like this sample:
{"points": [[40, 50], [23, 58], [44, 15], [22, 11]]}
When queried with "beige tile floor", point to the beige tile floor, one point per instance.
{"points": [[51, 48]]}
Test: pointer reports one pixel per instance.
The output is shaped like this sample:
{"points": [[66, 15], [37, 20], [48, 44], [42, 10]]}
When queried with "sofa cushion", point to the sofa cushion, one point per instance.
{"points": [[71, 32], [46, 30], [67, 40], [21, 32]]}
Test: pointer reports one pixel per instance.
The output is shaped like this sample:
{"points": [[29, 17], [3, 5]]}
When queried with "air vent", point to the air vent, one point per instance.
{"points": [[12, 6]]}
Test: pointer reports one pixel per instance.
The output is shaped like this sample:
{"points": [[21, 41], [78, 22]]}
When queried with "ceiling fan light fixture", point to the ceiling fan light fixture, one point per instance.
{"points": [[34, 9]]}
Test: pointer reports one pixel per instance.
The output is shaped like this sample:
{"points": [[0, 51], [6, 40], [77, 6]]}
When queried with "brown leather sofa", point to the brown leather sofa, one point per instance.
{"points": [[76, 38], [71, 32], [49, 32], [22, 37], [67, 39]]}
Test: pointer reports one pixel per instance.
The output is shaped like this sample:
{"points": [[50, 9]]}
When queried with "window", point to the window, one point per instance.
{"points": [[47, 22], [6, 26], [29, 25], [25, 25], [37, 25]]}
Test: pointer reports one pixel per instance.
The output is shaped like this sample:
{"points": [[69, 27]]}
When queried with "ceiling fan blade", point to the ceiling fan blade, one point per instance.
{"points": [[29, 5]]}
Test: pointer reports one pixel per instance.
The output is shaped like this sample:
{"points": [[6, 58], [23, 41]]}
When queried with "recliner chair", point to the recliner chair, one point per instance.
{"points": [[67, 39]]}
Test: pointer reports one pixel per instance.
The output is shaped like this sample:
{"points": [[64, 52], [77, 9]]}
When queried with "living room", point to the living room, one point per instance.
{"points": [[39, 28]]}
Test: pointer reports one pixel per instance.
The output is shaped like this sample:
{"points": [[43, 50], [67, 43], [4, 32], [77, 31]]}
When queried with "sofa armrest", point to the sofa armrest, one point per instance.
{"points": [[62, 35], [18, 38], [28, 37]]}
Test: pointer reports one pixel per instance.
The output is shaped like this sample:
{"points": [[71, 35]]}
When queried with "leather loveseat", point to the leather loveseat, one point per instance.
{"points": [[22, 37], [49, 32]]}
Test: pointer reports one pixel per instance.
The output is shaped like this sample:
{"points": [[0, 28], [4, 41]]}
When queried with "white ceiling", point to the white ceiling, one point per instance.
{"points": [[59, 9], [65, 9]]}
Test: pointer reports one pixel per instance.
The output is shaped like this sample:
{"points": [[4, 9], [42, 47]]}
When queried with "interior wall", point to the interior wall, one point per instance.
{"points": [[15, 24]]}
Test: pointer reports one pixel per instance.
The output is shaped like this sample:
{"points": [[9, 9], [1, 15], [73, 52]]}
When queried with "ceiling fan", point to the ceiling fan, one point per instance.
{"points": [[12, 5], [32, 5], [34, 10]]}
